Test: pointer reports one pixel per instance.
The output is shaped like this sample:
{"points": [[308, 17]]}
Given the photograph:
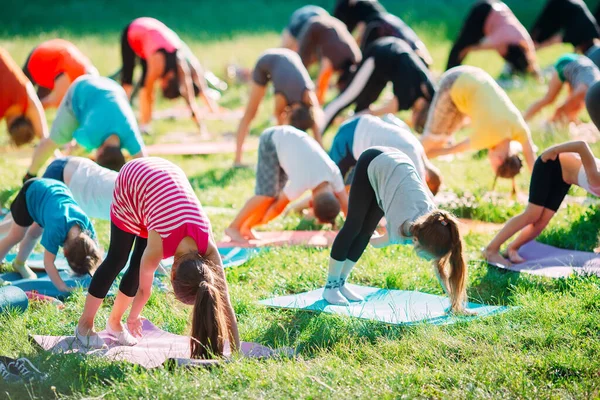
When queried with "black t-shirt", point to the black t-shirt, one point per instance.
{"points": [[572, 17]]}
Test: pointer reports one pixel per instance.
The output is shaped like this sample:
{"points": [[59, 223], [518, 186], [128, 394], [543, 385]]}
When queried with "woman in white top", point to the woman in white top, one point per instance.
{"points": [[559, 167]]}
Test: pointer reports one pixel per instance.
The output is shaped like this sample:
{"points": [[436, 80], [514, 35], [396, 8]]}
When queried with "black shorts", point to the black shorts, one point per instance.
{"points": [[18, 208], [56, 169], [547, 188]]}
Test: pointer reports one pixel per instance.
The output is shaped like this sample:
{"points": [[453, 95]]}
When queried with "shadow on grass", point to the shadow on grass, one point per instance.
{"points": [[581, 234]]}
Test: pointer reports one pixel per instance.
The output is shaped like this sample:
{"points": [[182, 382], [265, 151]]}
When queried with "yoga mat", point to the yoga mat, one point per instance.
{"points": [[396, 307], [13, 298], [154, 349], [205, 114], [285, 238], [552, 262], [203, 148], [231, 256], [36, 262]]}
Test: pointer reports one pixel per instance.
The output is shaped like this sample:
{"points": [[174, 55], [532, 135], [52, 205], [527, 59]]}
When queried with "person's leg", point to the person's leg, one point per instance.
{"points": [[257, 93], [528, 233], [121, 243], [127, 59], [349, 95], [470, 34], [371, 92]]}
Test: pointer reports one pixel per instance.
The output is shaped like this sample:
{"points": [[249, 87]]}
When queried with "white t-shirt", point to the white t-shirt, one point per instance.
{"points": [[582, 181], [306, 164], [372, 131], [92, 187]]}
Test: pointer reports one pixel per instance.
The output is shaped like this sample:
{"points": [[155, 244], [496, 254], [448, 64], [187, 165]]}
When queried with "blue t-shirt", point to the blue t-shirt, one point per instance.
{"points": [[341, 148], [101, 109], [51, 205]]}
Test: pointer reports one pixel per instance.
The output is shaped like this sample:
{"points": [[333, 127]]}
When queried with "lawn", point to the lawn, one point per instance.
{"points": [[546, 347]]}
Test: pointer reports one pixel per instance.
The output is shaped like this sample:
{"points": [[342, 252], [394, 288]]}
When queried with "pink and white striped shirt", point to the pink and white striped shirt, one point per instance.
{"points": [[153, 194]]}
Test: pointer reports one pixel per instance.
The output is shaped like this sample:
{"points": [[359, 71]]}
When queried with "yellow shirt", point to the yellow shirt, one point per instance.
{"points": [[494, 118]]}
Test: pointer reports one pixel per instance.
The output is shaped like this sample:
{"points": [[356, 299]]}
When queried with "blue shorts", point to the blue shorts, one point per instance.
{"points": [[56, 169]]}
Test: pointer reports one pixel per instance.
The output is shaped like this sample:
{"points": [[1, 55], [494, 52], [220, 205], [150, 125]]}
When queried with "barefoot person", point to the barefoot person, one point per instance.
{"points": [[579, 73], [361, 133], [297, 22], [386, 184], [467, 92], [53, 65], [156, 213], [19, 104], [370, 21], [559, 167], [95, 114], [326, 40], [491, 25], [165, 59], [294, 94], [386, 60], [290, 163], [45, 208]]}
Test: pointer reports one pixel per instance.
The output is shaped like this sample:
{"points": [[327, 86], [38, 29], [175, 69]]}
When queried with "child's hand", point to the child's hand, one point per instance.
{"points": [[135, 326], [549, 154]]}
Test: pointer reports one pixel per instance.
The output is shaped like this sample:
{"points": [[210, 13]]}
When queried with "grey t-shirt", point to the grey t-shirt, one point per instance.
{"points": [[401, 193], [285, 69]]}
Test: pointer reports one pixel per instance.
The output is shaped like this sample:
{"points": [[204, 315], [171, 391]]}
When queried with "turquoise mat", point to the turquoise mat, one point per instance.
{"points": [[397, 307]]}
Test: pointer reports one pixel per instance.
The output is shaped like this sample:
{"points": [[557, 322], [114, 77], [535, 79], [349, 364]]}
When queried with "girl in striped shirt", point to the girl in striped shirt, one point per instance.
{"points": [[155, 212]]}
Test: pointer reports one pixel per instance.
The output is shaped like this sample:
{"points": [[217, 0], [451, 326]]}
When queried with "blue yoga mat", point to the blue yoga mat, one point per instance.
{"points": [[36, 261], [12, 298], [397, 307]]}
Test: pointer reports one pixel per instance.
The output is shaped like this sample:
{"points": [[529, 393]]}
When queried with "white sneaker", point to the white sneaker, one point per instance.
{"points": [[90, 341], [124, 337], [27, 370]]}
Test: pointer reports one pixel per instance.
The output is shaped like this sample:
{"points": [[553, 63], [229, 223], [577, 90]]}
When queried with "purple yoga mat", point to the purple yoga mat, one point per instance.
{"points": [[154, 349], [553, 262]]}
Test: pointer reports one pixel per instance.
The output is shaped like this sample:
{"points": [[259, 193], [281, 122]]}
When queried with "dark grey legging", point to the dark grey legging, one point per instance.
{"points": [[592, 103], [363, 213], [471, 32], [121, 243]]}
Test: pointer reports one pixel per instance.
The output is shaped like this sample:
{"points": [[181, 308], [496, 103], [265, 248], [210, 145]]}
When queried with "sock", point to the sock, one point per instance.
{"points": [[24, 270], [345, 290], [331, 293]]}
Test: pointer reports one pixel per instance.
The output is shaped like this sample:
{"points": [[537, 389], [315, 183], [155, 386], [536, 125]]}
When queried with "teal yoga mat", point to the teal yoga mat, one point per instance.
{"points": [[396, 307], [13, 298]]}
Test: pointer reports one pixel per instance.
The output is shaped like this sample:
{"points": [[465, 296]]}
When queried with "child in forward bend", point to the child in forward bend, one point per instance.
{"points": [[387, 184], [558, 168]]}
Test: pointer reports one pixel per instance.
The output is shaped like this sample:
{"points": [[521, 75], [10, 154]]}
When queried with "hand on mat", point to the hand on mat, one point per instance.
{"points": [[134, 326]]}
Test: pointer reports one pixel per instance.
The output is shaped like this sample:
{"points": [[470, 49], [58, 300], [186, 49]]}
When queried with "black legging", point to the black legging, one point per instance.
{"points": [[121, 244], [363, 213], [592, 103], [471, 32], [128, 58]]}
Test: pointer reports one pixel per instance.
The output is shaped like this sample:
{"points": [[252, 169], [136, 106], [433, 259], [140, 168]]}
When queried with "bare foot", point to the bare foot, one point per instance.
{"points": [[235, 235], [494, 257], [514, 257]]}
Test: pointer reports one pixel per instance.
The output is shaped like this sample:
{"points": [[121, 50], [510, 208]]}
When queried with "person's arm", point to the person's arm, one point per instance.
{"points": [[574, 101], [156, 64], [310, 97], [588, 160], [52, 272], [142, 153], [529, 152], [148, 265], [35, 113], [41, 154], [554, 87], [457, 148], [343, 199], [381, 240], [325, 74], [390, 107], [556, 39], [184, 76], [280, 108], [275, 209], [257, 92], [212, 254], [61, 85]]}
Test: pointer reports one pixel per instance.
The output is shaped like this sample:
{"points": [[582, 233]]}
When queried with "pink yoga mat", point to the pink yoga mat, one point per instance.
{"points": [[286, 238], [552, 262], [154, 349], [196, 148]]}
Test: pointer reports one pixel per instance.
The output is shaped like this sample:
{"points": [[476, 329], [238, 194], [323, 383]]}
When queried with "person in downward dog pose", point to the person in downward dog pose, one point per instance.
{"points": [[325, 39], [370, 21], [19, 104], [52, 66], [469, 92], [386, 60], [580, 74], [360, 133], [156, 213], [297, 22], [95, 113], [386, 184], [294, 94], [45, 208], [165, 58], [491, 25], [559, 167], [290, 163], [566, 21]]}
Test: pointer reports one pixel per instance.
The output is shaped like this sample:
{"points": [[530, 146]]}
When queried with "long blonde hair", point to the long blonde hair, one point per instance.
{"points": [[437, 232]]}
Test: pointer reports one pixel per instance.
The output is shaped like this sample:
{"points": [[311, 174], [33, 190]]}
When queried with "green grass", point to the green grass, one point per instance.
{"points": [[547, 347]]}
